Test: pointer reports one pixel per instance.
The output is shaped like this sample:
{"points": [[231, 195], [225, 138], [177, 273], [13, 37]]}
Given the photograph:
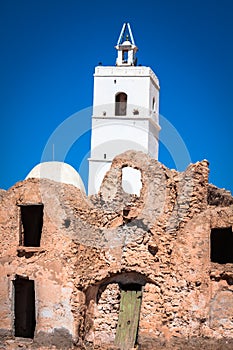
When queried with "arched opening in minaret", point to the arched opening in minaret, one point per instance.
{"points": [[125, 56], [121, 104]]}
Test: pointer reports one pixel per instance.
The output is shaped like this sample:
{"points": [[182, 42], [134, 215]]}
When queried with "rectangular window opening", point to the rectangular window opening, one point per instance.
{"points": [[24, 308], [221, 245], [31, 224]]}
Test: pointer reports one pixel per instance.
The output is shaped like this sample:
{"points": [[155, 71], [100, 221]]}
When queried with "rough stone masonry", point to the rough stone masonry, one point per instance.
{"points": [[63, 273]]}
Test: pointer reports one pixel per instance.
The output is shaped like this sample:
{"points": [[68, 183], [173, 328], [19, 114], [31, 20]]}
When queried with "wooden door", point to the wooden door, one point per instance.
{"points": [[128, 320]]}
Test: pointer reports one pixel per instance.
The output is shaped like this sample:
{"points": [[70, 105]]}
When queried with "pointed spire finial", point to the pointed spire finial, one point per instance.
{"points": [[126, 48], [126, 28]]}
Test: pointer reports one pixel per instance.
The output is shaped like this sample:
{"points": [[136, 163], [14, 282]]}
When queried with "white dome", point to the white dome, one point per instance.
{"points": [[57, 171], [126, 43]]}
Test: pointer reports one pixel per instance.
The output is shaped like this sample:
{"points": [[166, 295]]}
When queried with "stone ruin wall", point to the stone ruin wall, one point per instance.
{"points": [[89, 245], [46, 265]]}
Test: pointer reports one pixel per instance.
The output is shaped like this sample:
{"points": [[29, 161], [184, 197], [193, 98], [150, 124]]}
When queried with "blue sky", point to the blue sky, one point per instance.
{"points": [[49, 49]]}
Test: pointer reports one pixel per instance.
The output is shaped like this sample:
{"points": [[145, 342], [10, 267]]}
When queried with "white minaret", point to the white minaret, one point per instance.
{"points": [[125, 111]]}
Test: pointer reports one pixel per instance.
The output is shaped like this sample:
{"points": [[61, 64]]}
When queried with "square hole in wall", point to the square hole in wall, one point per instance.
{"points": [[31, 224], [221, 245]]}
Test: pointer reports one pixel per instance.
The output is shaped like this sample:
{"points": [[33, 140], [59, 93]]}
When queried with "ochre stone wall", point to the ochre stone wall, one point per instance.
{"points": [[48, 265], [91, 246], [106, 315]]}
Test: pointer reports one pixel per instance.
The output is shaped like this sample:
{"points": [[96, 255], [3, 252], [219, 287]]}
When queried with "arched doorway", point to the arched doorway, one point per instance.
{"points": [[116, 314]]}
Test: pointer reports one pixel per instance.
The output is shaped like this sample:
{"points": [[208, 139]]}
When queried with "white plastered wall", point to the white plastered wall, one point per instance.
{"points": [[112, 135]]}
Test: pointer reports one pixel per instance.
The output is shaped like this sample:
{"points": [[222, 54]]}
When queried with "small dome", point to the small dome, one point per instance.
{"points": [[57, 171], [126, 43]]}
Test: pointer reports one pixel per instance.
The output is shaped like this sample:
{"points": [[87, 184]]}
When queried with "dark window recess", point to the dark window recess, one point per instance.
{"points": [[221, 245], [153, 104], [25, 319], [131, 286], [32, 223], [121, 104]]}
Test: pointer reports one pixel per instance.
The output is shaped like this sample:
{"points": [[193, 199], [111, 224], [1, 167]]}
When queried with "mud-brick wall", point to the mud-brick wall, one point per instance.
{"points": [[159, 240], [106, 314], [151, 316], [168, 241], [49, 265]]}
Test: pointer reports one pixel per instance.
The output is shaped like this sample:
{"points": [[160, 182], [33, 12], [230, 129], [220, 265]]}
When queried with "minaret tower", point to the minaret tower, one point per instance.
{"points": [[125, 110]]}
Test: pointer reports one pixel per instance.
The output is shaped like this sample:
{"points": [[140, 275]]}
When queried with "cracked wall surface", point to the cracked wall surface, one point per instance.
{"points": [[91, 246]]}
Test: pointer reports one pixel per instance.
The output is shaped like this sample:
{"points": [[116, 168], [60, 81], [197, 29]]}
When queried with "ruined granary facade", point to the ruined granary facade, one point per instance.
{"points": [[76, 272]]}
